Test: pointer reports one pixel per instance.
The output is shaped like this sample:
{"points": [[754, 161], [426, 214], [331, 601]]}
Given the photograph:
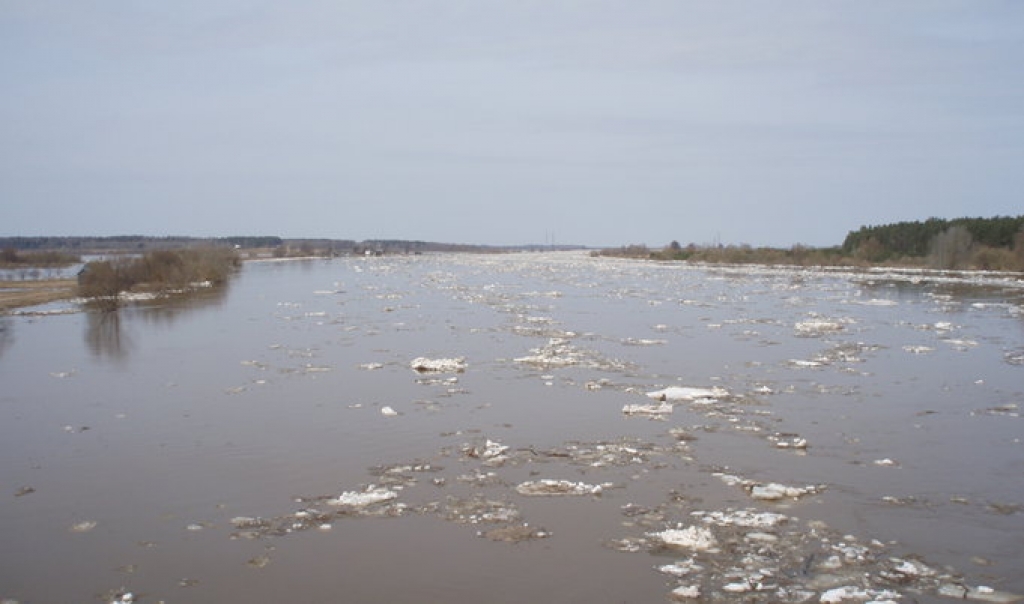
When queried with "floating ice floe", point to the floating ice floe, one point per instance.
{"points": [[805, 364], [654, 409], [388, 411], [492, 452], [371, 366], [774, 491], [681, 568], [687, 393], [83, 527], [878, 302], [357, 499], [686, 592], [694, 537], [818, 327], [918, 349], [742, 518], [961, 344], [791, 441], [850, 593], [550, 486], [558, 352], [1007, 410], [425, 365], [643, 342]]}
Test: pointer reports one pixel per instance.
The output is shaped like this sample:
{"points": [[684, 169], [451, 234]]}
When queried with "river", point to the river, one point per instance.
{"points": [[515, 427]]}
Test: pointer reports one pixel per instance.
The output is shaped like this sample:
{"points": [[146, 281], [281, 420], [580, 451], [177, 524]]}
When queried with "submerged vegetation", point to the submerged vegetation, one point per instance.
{"points": [[158, 272], [963, 243]]}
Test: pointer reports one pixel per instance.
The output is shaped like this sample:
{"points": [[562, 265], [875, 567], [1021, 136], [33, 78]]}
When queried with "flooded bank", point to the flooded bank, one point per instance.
{"points": [[554, 427]]}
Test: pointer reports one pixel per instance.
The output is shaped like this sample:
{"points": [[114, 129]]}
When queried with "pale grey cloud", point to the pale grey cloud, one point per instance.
{"points": [[605, 122]]}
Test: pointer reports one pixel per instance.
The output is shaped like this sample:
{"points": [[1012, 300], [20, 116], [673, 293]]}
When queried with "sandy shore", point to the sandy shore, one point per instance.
{"points": [[17, 294]]}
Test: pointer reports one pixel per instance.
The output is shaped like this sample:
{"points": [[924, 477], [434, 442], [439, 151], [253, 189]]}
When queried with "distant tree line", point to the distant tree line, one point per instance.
{"points": [[985, 243], [132, 243], [255, 245], [914, 239], [961, 243], [12, 258]]}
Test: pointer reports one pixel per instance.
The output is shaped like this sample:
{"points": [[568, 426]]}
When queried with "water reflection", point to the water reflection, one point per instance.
{"points": [[106, 332], [6, 334], [103, 335], [168, 310]]}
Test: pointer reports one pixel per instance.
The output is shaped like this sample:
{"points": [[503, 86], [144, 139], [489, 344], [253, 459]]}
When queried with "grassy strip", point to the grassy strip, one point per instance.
{"points": [[18, 294]]}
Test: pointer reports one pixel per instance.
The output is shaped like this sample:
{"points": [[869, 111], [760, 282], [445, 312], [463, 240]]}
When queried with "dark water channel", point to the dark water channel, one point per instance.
{"points": [[855, 437]]}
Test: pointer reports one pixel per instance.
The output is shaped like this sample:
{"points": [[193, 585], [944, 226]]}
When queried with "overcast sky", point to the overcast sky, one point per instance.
{"points": [[600, 123]]}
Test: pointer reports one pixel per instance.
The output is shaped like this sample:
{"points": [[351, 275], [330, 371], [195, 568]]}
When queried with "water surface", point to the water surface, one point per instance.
{"points": [[190, 451]]}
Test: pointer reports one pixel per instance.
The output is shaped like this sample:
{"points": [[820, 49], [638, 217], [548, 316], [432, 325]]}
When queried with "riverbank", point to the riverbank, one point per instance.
{"points": [[18, 294]]}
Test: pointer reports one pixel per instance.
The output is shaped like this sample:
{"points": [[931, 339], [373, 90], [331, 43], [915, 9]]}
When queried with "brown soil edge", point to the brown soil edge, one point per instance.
{"points": [[18, 294]]}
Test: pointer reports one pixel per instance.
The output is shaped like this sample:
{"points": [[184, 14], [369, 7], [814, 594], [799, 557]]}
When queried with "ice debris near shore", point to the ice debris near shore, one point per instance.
{"points": [[425, 365]]}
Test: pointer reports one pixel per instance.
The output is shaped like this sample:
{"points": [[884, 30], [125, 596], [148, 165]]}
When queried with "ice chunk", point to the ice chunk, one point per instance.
{"points": [[548, 486], [696, 538], [743, 518], [83, 527], [490, 450], [737, 587], [774, 491], [803, 363], [850, 593], [686, 592], [662, 408], [983, 593], [687, 393], [388, 411], [913, 568], [680, 568], [425, 365], [362, 499], [817, 327]]}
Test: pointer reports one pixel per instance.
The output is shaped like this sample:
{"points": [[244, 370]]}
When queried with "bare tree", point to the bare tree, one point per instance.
{"points": [[951, 248]]}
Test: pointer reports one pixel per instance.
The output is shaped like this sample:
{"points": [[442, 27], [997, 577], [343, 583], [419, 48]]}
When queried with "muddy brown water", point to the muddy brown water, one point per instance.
{"points": [[197, 450]]}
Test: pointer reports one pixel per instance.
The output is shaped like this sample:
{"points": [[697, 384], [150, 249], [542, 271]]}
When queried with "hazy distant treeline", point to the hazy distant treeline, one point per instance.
{"points": [[961, 243], [132, 243], [278, 246]]}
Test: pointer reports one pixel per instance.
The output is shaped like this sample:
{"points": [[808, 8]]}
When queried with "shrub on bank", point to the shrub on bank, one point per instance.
{"points": [[162, 271]]}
